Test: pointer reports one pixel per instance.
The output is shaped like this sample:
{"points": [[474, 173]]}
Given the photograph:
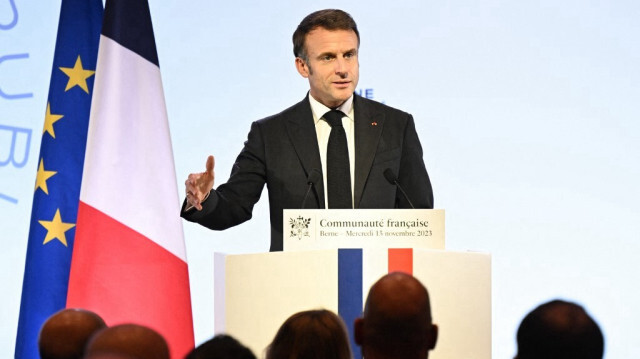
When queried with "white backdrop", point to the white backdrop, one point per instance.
{"points": [[527, 111]]}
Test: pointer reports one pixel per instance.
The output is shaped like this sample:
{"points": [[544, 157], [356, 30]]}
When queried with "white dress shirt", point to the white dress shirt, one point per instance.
{"points": [[323, 130]]}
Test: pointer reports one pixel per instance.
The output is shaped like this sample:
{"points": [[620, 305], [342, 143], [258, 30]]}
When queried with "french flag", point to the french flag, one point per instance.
{"points": [[129, 259], [352, 274]]}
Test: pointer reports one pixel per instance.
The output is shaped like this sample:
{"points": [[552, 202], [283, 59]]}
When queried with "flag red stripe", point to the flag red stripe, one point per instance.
{"points": [[401, 260], [127, 278]]}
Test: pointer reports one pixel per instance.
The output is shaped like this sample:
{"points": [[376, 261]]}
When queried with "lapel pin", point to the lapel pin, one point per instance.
{"points": [[374, 124]]}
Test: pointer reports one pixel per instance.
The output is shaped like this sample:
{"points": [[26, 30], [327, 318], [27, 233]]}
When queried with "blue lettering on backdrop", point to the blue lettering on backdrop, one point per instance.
{"points": [[14, 21], [18, 95], [8, 199], [16, 134], [366, 93], [11, 157], [17, 149]]}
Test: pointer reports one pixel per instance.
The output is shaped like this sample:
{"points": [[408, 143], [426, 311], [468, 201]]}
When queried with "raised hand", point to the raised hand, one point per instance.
{"points": [[198, 185]]}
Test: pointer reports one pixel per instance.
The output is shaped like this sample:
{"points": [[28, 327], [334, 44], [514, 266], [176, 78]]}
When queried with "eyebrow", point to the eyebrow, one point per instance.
{"points": [[329, 53]]}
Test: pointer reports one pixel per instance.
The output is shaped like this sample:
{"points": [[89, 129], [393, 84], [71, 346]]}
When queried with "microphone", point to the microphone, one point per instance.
{"points": [[314, 176], [388, 174]]}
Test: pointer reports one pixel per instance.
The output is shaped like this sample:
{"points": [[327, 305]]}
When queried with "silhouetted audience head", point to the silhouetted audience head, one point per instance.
{"points": [[559, 329], [135, 341], [397, 320], [108, 356], [221, 347], [313, 334], [65, 334]]}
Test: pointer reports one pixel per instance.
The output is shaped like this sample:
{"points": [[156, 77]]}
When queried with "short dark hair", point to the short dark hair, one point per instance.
{"points": [[312, 334], [330, 19], [221, 346], [559, 329]]}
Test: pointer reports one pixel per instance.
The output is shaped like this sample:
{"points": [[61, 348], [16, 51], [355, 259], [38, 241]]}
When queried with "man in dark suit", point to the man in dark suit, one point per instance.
{"points": [[348, 162]]}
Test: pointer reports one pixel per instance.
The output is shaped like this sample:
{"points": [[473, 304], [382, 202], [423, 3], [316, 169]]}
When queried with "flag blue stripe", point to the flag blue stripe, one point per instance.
{"points": [[350, 291], [128, 22], [44, 288]]}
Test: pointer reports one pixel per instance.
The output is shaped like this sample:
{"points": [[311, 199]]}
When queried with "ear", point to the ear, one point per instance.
{"points": [[433, 336], [358, 325], [302, 67]]}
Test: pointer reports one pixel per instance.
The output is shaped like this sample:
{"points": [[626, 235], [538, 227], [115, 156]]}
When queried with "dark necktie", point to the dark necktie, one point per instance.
{"points": [[338, 173]]}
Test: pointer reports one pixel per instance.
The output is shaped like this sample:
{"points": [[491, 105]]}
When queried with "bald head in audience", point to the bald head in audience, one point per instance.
{"points": [[559, 329], [397, 320], [128, 340], [65, 334]]}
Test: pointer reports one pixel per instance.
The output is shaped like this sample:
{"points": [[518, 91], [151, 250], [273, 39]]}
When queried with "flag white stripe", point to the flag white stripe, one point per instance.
{"points": [[133, 181]]}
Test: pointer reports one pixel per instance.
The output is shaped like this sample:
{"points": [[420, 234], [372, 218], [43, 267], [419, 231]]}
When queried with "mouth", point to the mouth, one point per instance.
{"points": [[342, 84]]}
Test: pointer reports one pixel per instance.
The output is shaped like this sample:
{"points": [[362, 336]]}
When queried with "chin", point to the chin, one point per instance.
{"points": [[343, 96], [339, 101]]}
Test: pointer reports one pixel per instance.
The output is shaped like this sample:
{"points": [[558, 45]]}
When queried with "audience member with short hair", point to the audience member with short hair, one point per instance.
{"points": [[65, 334], [135, 341], [313, 334], [559, 329], [221, 347], [397, 320]]}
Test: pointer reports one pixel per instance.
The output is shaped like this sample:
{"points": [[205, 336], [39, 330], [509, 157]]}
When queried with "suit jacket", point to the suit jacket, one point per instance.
{"points": [[282, 150]]}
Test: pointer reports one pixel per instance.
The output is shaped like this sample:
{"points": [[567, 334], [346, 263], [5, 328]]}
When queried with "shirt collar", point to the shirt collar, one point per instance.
{"points": [[319, 109]]}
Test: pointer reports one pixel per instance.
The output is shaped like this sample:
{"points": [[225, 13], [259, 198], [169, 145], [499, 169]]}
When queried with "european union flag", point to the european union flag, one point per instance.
{"points": [[57, 187]]}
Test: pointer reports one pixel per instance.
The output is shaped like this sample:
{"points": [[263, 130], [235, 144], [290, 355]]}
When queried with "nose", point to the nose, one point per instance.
{"points": [[341, 67]]}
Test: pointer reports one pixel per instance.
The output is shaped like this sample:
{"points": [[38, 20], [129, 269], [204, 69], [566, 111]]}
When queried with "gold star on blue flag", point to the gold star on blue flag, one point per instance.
{"points": [[59, 171]]}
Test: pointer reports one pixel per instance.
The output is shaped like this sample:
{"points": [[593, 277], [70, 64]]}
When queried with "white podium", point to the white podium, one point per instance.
{"points": [[255, 293]]}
